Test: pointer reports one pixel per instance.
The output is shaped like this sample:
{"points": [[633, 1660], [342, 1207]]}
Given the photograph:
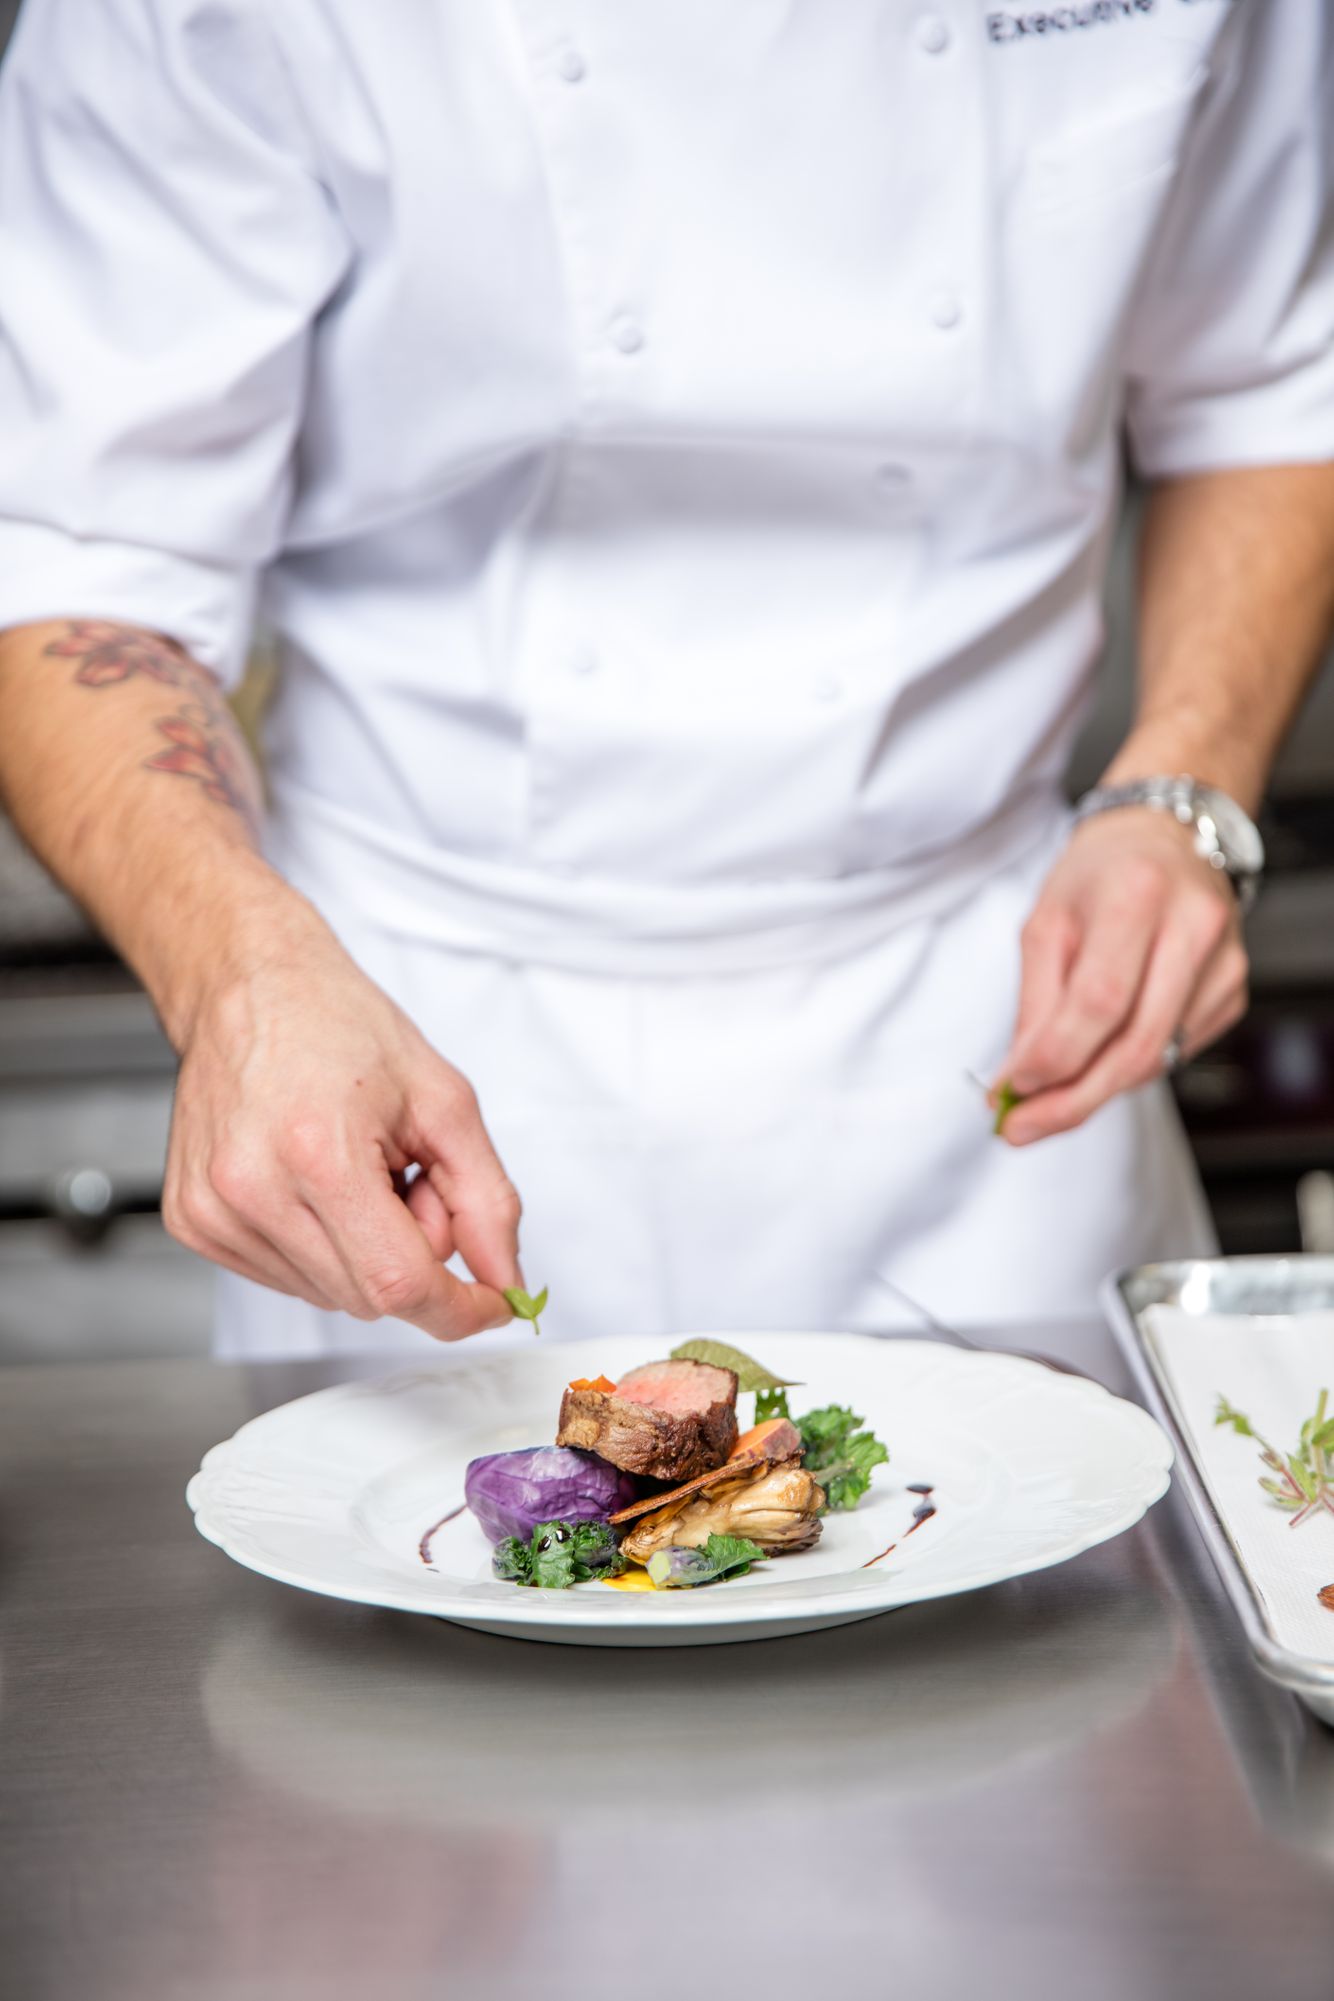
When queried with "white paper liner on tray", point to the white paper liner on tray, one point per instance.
{"points": [[1273, 1367]]}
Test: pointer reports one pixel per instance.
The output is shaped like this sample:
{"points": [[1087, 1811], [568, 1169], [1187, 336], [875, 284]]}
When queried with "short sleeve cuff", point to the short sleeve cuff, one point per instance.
{"points": [[46, 573], [1287, 420]]}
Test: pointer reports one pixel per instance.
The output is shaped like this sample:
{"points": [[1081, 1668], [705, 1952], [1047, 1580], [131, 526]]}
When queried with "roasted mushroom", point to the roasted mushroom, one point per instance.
{"points": [[777, 1507]]}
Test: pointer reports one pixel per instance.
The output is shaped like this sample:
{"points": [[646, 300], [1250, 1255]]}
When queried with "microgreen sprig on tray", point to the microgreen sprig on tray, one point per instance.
{"points": [[1302, 1482]]}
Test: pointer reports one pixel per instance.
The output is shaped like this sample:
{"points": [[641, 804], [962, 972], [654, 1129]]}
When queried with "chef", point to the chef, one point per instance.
{"points": [[674, 448]]}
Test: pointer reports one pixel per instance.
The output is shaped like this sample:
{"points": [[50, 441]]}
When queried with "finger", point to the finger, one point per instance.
{"points": [[1103, 985], [273, 1198], [392, 1266], [427, 1205], [1048, 944], [465, 1171], [1220, 999], [204, 1225], [1134, 1057], [1211, 1029]]}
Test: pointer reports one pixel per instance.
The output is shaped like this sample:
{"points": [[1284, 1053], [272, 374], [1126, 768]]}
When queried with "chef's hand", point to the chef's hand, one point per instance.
{"points": [[1134, 944], [304, 1094]]}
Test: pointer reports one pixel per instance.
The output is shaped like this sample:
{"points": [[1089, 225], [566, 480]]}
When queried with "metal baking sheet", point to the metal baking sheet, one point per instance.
{"points": [[1204, 1287]]}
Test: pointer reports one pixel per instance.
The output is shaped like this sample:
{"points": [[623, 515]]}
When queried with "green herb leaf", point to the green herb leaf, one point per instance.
{"points": [[681, 1568], [523, 1306], [750, 1374], [554, 1556], [1225, 1414], [1303, 1476], [732, 1555], [1304, 1482], [771, 1403], [1006, 1100], [559, 1554], [596, 1551], [512, 1561], [840, 1454], [845, 1483]]}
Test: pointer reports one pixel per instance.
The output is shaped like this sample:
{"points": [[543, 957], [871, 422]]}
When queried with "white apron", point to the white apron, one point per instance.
{"points": [[747, 1148]]}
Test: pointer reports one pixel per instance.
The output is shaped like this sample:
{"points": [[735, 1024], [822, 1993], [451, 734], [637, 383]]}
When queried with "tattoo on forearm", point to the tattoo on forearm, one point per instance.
{"points": [[108, 654], [200, 749], [202, 737]]}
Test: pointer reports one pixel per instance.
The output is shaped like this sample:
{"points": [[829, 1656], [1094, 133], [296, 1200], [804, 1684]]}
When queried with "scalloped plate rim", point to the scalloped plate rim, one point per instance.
{"points": [[634, 1620]]}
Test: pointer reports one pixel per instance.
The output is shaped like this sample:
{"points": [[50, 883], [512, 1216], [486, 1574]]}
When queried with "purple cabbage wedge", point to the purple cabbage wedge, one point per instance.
{"points": [[511, 1492]]}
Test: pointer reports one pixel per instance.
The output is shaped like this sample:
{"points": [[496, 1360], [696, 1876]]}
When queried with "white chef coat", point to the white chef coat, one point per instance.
{"points": [[675, 445]]}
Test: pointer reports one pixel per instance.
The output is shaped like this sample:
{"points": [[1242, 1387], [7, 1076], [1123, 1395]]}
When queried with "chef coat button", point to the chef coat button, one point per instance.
{"points": [[583, 663], [946, 311], [932, 34], [627, 335], [572, 66], [826, 687]]}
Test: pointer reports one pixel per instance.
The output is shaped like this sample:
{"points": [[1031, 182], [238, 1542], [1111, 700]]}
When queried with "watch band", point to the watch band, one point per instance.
{"points": [[1225, 835]]}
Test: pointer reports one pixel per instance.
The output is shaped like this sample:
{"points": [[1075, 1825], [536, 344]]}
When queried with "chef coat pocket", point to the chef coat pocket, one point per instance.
{"points": [[1116, 158]]}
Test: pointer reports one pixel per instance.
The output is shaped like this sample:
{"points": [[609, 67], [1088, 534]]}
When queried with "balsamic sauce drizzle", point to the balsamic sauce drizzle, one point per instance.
{"points": [[424, 1546], [921, 1513]]}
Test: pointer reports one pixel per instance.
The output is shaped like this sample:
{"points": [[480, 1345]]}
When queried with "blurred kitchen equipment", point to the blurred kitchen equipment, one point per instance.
{"points": [[1315, 1212]]}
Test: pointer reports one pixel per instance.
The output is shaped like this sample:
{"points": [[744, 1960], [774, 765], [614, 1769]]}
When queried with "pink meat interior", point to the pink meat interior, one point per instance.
{"points": [[676, 1386]]}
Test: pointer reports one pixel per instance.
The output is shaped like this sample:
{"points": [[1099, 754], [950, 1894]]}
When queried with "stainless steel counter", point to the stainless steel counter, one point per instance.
{"points": [[212, 1787]]}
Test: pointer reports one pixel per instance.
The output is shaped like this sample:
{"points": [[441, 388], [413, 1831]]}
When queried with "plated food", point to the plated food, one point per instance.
{"points": [[337, 1492], [651, 1485]]}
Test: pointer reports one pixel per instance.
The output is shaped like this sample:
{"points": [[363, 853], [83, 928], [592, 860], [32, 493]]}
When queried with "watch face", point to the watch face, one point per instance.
{"points": [[1237, 833]]}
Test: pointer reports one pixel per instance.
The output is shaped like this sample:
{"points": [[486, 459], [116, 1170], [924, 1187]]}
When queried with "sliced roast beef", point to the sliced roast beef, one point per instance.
{"points": [[666, 1421]]}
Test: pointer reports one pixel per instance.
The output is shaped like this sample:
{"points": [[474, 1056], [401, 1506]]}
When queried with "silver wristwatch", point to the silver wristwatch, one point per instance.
{"points": [[1225, 836]]}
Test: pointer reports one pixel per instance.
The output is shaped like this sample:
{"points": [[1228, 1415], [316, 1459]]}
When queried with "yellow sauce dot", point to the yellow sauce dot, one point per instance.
{"points": [[630, 1580]]}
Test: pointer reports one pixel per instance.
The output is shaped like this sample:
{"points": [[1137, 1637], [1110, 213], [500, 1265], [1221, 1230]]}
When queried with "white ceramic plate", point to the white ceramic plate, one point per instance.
{"points": [[334, 1492]]}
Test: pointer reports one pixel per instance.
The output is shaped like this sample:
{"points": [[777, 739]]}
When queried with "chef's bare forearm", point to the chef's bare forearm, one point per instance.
{"points": [[123, 767], [1236, 608]]}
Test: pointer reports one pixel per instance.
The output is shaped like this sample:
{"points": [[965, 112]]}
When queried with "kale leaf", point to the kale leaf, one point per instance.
{"points": [[559, 1554], [839, 1453], [512, 1561]]}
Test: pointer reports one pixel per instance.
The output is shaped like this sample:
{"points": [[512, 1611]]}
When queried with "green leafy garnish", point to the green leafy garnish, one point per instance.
{"points": [[678, 1568], [770, 1403], [523, 1305], [557, 1555], [1299, 1482], [732, 1555], [1225, 1414], [512, 1561], [1006, 1100], [750, 1374], [839, 1453]]}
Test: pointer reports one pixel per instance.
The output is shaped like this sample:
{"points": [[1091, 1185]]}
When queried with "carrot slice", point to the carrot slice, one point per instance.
{"points": [[771, 1440], [593, 1383]]}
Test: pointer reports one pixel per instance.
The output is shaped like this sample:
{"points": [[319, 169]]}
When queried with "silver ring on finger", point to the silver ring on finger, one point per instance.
{"points": [[1172, 1054]]}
